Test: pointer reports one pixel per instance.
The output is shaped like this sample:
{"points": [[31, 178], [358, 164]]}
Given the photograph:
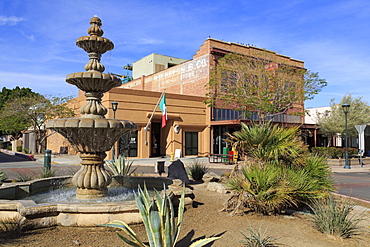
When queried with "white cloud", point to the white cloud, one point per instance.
{"points": [[29, 37], [10, 20], [149, 41]]}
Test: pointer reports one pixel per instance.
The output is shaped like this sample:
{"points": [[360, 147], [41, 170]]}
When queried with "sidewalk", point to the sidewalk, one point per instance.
{"points": [[354, 168], [66, 159]]}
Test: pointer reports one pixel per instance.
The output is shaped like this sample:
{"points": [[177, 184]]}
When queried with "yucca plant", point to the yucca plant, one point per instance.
{"points": [[261, 189], [270, 188], [335, 217], [158, 216], [197, 170], [318, 169], [268, 142], [120, 166]]}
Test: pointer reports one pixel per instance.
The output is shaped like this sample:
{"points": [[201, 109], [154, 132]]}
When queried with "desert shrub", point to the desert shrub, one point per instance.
{"points": [[197, 170], [47, 173], [3, 176], [120, 166], [19, 148], [257, 238], [334, 217], [321, 151], [334, 152], [158, 216], [279, 174], [24, 176], [269, 188]]}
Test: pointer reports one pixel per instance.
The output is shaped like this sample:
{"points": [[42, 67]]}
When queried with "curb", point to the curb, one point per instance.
{"points": [[21, 155]]}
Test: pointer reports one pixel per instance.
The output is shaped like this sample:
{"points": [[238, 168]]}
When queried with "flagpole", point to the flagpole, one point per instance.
{"points": [[150, 119]]}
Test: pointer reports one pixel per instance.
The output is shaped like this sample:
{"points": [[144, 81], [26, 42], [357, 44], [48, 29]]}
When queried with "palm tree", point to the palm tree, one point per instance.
{"points": [[268, 142]]}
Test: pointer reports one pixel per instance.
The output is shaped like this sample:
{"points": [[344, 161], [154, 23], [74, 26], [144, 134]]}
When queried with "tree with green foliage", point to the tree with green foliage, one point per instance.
{"points": [[332, 122], [32, 112], [13, 125], [261, 86]]}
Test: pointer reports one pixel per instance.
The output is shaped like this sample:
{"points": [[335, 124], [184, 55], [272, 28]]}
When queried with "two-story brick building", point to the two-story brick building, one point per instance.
{"points": [[192, 127]]}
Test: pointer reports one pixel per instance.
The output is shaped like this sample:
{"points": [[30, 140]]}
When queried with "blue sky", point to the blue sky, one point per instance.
{"points": [[37, 37]]}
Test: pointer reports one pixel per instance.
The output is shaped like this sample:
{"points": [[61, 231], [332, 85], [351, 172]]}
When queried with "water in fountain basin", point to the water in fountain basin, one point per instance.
{"points": [[68, 194]]}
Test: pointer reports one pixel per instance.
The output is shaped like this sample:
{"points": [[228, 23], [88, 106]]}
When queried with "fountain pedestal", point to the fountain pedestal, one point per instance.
{"points": [[92, 134], [92, 179]]}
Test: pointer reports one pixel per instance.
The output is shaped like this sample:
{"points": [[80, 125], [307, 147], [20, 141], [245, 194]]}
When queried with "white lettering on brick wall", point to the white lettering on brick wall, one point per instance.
{"points": [[188, 71]]}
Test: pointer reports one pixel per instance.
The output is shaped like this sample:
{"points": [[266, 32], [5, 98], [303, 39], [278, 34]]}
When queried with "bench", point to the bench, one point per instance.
{"points": [[220, 158]]}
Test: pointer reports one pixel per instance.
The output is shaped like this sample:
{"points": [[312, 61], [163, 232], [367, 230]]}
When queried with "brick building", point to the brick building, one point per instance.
{"points": [[192, 127]]}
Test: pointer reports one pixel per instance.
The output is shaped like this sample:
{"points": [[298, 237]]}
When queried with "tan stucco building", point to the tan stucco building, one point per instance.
{"points": [[192, 127]]}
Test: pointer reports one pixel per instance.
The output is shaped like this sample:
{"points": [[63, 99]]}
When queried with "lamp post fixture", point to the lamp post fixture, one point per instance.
{"points": [[114, 108], [345, 110]]}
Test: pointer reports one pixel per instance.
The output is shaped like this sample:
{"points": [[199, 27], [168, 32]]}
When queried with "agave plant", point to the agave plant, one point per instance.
{"points": [[158, 216], [120, 166]]}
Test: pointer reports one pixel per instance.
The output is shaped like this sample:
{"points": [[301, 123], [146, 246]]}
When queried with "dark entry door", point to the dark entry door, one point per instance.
{"points": [[128, 145], [191, 143], [156, 140]]}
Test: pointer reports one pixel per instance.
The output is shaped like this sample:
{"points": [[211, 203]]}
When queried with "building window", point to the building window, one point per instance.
{"points": [[128, 145], [191, 143], [229, 114]]}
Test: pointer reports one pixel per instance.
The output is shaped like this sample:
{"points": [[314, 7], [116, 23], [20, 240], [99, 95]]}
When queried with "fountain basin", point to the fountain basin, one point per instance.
{"points": [[31, 215], [91, 135]]}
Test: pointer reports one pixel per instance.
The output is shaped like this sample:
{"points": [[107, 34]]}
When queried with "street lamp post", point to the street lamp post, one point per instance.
{"points": [[114, 108], [345, 110]]}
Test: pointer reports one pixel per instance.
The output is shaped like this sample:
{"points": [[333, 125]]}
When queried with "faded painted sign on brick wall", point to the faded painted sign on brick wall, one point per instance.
{"points": [[189, 71]]}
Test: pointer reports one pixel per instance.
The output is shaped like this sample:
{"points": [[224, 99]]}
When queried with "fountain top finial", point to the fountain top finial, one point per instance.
{"points": [[95, 29]]}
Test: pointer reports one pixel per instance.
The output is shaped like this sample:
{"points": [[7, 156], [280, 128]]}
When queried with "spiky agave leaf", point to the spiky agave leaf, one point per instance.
{"points": [[144, 202], [180, 214], [135, 241], [154, 224], [203, 242]]}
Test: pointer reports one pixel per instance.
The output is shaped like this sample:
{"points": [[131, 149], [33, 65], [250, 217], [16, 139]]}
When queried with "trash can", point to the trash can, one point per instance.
{"points": [[231, 157], [159, 167], [226, 157], [47, 160]]}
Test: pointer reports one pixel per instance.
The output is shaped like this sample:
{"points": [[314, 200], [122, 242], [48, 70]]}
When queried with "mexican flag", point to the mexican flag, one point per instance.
{"points": [[163, 107]]}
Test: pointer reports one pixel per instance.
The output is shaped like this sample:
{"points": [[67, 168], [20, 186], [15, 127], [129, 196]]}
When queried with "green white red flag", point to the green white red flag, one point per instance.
{"points": [[163, 108]]}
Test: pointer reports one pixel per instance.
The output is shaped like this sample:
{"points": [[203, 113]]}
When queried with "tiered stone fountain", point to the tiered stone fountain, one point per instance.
{"points": [[92, 134]]}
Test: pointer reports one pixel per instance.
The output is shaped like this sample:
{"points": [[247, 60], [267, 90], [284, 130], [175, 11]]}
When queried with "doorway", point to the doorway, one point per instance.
{"points": [[191, 143], [128, 144], [156, 140]]}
